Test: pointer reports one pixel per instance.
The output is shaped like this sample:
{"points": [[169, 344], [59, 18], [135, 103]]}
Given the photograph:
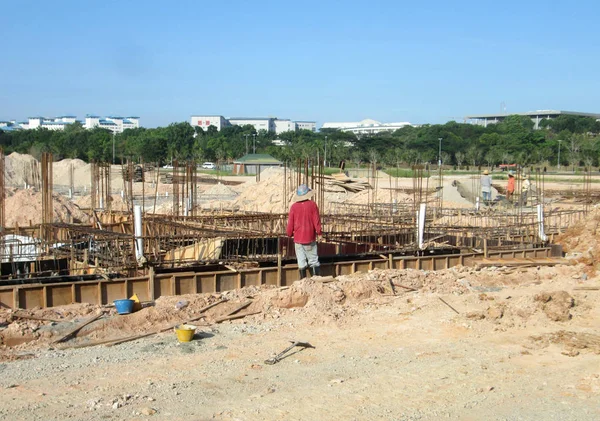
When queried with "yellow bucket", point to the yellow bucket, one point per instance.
{"points": [[185, 333]]}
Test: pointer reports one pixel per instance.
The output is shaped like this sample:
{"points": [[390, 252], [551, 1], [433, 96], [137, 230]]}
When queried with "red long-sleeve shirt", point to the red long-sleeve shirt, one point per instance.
{"points": [[304, 223]]}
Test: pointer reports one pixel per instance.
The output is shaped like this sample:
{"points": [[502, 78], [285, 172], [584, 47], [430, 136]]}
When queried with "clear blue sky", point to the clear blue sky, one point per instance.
{"points": [[423, 62]]}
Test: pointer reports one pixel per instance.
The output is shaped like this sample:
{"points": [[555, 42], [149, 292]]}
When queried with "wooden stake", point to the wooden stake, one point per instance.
{"points": [[453, 309]]}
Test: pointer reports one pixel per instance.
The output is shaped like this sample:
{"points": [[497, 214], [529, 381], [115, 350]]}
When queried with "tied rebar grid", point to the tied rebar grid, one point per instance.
{"points": [[2, 191], [100, 186], [175, 185], [47, 209], [587, 186]]}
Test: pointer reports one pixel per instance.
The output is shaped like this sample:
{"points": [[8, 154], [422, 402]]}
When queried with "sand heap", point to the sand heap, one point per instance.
{"points": [[383, 195], [118, 203], [81, 172], [267, 194], [25, 206], [220, 190], [20, 169], [583, 237]]}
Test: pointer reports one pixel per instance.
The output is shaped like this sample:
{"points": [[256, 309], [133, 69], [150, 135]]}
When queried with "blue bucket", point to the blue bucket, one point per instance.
{"points": [[124, 306]]}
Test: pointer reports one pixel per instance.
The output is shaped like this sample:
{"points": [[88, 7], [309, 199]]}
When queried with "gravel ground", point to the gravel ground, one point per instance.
{"points": [[391, 358]]}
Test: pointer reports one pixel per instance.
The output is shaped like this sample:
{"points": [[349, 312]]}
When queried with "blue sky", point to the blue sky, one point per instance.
{"points": [[310, 60]]}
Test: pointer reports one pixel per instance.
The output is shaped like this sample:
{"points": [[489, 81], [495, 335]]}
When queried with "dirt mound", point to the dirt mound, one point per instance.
{"points": [[572, 341], [81, 172], [265, 195], [583, 237], [25, 206], [220, 190], [117, 204], [556, 305], [20, 169]]}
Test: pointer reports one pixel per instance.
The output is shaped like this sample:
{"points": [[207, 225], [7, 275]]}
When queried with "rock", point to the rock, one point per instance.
{"points": [[116, 405], [475, 315], [290, 298], [495, 312], [148, 411], [556, 305], [570, 352], [181, 304]]}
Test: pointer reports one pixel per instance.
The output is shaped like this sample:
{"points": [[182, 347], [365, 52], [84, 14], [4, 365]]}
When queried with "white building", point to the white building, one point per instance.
{"points": [[54, 123], [270, 124], [209, 120], [282, 126], [113, 123], [259, 123], [366, 126], [306, 125]]}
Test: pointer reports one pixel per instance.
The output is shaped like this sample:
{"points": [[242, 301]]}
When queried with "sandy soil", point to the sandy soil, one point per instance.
{"points": [[523, 346]]}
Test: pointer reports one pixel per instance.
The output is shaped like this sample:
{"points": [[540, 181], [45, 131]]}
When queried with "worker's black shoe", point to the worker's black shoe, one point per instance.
{"points": [[302, 273], [315, 270]]}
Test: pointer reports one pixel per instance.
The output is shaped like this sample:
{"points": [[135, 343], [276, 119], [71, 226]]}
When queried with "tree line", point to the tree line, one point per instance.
{"points": [[513, 140]]}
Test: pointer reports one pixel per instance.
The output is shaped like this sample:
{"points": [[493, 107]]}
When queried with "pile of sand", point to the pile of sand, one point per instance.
{"points": [[382, 195], [117, 204], [583, 236], [81, 172], [20, 169], [220, 190], [265, 195], [25, 206]]}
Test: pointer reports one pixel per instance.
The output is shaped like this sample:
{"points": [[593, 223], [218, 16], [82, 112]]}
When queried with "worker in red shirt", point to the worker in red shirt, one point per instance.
{"points": [[304, 224]]}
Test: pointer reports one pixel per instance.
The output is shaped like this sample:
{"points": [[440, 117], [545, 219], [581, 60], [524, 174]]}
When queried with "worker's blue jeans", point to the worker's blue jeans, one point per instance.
{"points": [[306, 255], [487, 196]]}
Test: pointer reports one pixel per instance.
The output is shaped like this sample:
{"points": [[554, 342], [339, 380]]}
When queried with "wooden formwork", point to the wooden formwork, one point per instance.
{"points": [[152, 286]]}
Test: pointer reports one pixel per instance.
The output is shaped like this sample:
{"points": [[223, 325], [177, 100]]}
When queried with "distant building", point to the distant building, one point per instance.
{"points": [[282, 126], [254, 163], [536, 117], [367, 126], [210, 120], [270, 124], [113, 123], [259, 124]]}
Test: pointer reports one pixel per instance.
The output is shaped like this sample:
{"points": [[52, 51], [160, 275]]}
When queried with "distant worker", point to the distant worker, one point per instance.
{"points": [[304, 224], [510, 186], [486, 186], [525, 187]]}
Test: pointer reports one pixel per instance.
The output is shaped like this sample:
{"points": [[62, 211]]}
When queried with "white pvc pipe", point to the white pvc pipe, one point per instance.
{"points": [[540, 218], [421, 223], [477, 203], [137, 223]]}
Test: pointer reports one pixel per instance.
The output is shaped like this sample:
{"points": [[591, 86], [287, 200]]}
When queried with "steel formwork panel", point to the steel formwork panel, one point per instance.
{"points": [[154, 286]]}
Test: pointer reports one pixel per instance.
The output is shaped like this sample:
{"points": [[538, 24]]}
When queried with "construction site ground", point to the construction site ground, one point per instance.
{"points": [[524, 345], [509, 342]]}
